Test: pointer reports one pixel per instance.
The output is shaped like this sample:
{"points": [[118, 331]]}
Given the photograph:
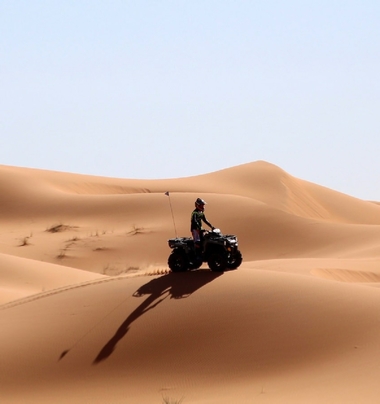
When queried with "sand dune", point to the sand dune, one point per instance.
{"points": [[91, 312], [22, 277]]}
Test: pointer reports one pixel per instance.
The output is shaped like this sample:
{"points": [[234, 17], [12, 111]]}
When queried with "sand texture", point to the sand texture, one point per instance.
{"points": [[91, 313]]}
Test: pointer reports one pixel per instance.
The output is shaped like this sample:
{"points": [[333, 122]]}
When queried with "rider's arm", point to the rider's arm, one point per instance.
{"points": [[206, 221]]}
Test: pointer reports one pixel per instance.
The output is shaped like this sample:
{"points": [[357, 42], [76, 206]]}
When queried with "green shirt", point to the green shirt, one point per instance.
{"points": [[196, 220]]}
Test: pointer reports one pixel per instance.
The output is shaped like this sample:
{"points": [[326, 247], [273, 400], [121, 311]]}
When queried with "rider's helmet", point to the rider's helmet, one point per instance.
{"points": [[200, 203]]}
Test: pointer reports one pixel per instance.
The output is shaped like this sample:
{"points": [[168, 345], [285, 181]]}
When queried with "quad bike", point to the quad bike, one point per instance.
{"points": [[220, 251]]}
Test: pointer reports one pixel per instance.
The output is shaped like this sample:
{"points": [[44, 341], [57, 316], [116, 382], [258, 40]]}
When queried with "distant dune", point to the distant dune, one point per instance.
{"points": [[91, 312]]}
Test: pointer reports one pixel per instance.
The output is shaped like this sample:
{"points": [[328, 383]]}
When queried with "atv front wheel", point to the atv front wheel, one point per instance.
{"points": [[217, 261], [235, 260], [178, 262]]}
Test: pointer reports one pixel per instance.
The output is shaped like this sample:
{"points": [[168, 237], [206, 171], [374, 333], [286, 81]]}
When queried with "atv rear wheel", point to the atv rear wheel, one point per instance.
{"points": [[178, 261], [235, 260], [217, 261]]}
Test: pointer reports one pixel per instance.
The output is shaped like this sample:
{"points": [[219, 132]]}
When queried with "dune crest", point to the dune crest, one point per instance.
{"points": [[347, 275]]}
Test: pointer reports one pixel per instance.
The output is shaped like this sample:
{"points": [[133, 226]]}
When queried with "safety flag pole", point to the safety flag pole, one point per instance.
{"points": [[167, 193]]}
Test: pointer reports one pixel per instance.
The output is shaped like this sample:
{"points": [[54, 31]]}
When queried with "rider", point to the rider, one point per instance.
{"points": [[196, 221]]}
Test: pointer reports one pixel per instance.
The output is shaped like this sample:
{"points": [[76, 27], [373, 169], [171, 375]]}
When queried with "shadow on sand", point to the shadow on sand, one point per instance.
{"points": [[172, 285]]}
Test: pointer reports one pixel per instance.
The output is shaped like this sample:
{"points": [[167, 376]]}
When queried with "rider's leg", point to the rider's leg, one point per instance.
{"points": [[197, 241], [196, 235]]}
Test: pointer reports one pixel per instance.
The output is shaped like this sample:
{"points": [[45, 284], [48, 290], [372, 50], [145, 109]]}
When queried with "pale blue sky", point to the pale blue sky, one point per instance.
{"points": [[162, 89]]}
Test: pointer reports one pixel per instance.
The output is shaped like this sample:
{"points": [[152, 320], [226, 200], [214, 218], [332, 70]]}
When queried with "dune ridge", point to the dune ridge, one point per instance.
{"points": [[91, 313]]}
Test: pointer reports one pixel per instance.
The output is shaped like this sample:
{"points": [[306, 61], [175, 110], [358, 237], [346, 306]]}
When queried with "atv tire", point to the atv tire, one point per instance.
{"points": [[217, 261], [235, 260], [178, 262]]}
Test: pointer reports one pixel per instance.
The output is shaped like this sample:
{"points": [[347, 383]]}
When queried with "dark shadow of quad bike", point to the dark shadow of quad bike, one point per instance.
{"points": [[155, 292]]}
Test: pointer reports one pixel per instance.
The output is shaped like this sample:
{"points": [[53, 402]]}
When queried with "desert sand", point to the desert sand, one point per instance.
{"points": [[90, 312]]}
